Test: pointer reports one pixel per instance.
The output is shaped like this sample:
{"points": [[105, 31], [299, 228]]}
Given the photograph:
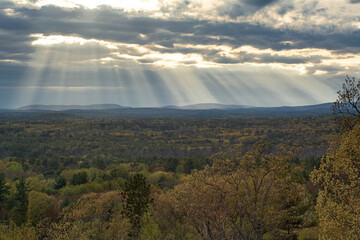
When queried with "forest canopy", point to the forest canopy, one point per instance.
{"points": [[184, 178]]}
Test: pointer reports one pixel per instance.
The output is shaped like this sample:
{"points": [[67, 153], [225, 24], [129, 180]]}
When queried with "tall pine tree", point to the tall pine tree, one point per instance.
{"points": [[4, 191], [19, 212], [137, 200]]}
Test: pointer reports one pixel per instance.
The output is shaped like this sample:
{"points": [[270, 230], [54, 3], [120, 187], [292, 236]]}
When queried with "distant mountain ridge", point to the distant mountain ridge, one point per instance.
{"points": [[206, 106], [199, 106], [70, 107], [195, 110]]}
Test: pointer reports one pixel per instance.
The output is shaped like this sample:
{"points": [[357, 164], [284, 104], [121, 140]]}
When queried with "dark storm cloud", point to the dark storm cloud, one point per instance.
{"points": [[15, 42], [243, 8], [106, 23], [6, 4], [284, 9], [11, 74], [333, 70], [15, 46], [244, 57], [259, 3], [114, 25], [148, 60], [13, 24]]}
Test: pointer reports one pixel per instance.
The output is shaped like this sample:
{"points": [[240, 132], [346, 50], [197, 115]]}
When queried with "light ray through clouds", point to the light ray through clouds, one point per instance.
{"points": [[149, 53], [56, 78]]}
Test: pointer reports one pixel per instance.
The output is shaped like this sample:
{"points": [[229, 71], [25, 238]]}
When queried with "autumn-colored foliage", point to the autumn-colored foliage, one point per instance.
{"points": [[338, 204], [93, 216], [240, 196], [209, 178]]}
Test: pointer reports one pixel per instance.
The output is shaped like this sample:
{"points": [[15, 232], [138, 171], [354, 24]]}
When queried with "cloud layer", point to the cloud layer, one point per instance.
{"points": [[65, 40]]}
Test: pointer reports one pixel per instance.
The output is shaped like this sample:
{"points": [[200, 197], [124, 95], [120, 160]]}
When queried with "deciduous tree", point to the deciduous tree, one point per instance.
{"points": [[338, 203], [93, 216], [39, 204], [241, 196], [346, 108]]}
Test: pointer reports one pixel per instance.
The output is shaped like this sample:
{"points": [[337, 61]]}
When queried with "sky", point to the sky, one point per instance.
{"points": [[150, 53]]}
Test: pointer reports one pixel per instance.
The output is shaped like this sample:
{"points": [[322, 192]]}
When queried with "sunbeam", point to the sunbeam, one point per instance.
{"points": [[75, 70]]}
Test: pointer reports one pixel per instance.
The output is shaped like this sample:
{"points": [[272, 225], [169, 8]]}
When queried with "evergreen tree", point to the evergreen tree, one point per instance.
{"points": [[79, 178], [19, 212], [4, 191], [60, 182], [137, 200], [189, 165]]}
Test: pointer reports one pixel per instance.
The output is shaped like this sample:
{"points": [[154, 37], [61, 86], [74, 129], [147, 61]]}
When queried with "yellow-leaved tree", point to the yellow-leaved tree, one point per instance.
{"points": [[93, 216], [241, 196], [338, 203], [39, 207]]}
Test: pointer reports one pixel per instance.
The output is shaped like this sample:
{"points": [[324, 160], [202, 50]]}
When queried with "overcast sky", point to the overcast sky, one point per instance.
{"points": [[163, 52]]}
